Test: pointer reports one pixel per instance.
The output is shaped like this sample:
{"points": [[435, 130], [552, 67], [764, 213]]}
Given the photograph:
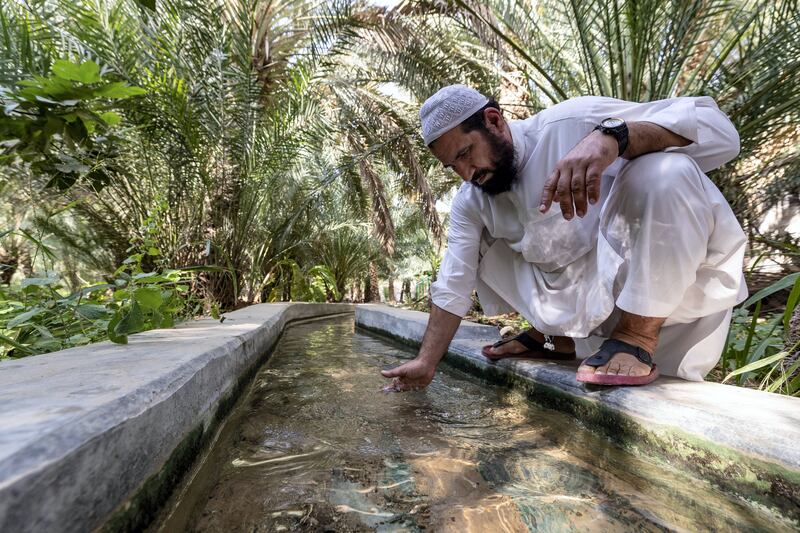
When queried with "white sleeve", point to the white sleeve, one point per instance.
{"points": [[714, 140], [458, 272]]}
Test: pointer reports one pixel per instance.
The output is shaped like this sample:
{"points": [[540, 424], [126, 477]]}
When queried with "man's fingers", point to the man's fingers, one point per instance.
{"points": [[578, 188], [593, 184], [395, 386], [548, 191], [565, 193], [392, 372]]}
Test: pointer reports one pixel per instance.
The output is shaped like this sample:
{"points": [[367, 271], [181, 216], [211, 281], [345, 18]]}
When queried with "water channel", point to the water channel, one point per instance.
{"points": [[315, 446]]}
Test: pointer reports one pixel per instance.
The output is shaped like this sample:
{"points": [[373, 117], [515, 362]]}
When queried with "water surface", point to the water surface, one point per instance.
{"points": [[315, 446]]}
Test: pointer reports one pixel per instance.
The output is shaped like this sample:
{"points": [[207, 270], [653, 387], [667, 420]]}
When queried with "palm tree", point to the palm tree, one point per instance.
{"points": [[744, 53]]}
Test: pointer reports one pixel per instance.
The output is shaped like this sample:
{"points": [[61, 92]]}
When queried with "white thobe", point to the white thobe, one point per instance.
{"points": [[661, 241]]}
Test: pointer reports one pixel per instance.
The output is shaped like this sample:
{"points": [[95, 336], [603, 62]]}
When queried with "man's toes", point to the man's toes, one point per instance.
{"points": [[601, 369], [638, 370]]}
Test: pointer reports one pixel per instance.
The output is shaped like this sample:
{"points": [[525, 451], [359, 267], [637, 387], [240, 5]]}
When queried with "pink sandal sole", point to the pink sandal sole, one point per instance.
{"points": [[615, 379]]}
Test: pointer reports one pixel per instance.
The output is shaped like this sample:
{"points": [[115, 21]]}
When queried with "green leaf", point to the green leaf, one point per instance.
{"points": [[113, 336], [791, 303], [167, 321], [89, 290], [86, 72], [149, 277], [153, 251], [15, 345], [39, 282], [149, 4], [148, 298], [119, 90], [756, 365], [132, 322], [779, 285], [111, 118], [23, 317], [92, 311], [121, 294]]}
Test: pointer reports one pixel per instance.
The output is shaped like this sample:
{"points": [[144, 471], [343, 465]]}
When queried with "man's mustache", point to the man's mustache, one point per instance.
{"points": [[479, 174]]}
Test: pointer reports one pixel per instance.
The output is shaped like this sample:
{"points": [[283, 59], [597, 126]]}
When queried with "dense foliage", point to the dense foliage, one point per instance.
{"points": [[162, 159]]}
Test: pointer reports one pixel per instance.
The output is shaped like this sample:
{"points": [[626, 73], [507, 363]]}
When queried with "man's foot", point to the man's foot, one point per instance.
{"points": [[633, 334], [562, 345], [620, 364]]}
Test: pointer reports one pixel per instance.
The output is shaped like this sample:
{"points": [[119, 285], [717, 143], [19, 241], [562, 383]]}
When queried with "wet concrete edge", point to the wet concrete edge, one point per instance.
{"points": [[40, 495], [772, 483]]}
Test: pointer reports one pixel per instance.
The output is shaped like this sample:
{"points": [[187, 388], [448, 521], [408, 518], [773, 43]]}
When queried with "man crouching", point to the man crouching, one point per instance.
{"points": [[595, 221]]}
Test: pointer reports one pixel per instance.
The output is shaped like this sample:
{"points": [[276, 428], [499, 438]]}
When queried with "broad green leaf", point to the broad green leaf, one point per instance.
{"points": [[132, 322], [167, 321], [66, 69], [87, 72], [43, 331], [153, 251], [113, 336], [121, 294], [23, 317], [148, 298], [149, 277], [119, 90], [39, 282], [111, 118], [92, 311]]}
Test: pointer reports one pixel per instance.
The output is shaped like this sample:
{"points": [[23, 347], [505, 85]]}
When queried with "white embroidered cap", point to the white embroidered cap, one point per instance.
{"points": [[448, 108]]}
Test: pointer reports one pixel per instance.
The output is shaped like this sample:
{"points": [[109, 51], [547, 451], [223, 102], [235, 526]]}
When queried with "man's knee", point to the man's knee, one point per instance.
{"points": [[659, 175]]}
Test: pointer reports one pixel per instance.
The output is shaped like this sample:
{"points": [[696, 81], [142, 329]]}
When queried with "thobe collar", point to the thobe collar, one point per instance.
{"points": [[520, 146]]}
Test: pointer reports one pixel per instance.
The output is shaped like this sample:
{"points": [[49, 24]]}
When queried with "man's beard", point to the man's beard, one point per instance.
{"points": [[504, 173]]}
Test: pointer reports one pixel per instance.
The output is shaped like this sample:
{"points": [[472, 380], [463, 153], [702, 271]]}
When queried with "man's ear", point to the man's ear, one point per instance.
{"points": [[493, 120]]}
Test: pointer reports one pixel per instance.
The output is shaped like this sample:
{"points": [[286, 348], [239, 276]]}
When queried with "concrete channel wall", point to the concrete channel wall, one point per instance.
{"points": [[107, 430], [745, 441]]}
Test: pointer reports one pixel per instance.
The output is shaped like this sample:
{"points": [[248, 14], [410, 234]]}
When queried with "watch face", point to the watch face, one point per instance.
{"points": [[612, 122]]}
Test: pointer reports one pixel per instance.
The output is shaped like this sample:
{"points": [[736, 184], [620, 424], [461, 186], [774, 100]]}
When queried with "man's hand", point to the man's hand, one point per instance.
{"points": [[413, 375], [418, 373], [576, 177]]}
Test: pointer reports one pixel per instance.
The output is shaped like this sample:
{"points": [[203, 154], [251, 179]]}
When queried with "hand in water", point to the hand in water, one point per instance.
{"points": [[413, 375]]}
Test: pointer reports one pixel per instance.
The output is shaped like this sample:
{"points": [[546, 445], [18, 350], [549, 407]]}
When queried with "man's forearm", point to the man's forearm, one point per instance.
{"points": [[646, 137], [441, 329]]}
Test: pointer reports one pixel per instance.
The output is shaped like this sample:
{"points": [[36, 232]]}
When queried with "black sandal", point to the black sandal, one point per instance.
{"points": [[535, 349], [608, 349]]}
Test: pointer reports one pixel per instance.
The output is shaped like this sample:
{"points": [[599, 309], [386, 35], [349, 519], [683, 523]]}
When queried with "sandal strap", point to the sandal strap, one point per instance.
{"points": [[529, 342], [610, 347]]}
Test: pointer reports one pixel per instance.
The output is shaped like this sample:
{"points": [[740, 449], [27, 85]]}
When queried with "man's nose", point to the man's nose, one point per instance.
{"points": [[466, 171]]}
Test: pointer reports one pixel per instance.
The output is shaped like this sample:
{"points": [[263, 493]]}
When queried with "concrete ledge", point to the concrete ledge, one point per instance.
{"points": [[746, 441], [83, 430]]}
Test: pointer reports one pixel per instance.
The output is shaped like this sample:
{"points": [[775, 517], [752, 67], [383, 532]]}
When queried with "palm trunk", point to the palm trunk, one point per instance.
{"points": [[372, 292]]}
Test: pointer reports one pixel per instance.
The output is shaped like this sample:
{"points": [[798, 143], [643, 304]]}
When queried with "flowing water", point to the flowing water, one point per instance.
{"points": [[315, 446]]}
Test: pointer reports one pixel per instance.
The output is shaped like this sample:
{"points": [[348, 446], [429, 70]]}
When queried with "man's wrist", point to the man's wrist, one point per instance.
{"points": [[609, 142], [617, 129]]}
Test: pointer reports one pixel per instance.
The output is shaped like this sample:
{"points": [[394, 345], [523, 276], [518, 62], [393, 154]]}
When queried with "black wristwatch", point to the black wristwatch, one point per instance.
{"points": [[617, 128]]}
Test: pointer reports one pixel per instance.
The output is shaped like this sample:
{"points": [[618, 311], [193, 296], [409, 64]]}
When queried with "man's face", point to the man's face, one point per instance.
{"points": [[483, 158]]}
